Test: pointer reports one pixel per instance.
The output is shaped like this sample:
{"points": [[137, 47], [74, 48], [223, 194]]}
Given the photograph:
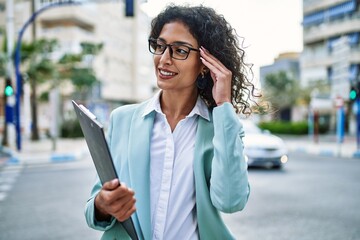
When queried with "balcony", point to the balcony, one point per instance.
{"points": [[310, 6], [67, 17], [328, 30], [324, 59]]}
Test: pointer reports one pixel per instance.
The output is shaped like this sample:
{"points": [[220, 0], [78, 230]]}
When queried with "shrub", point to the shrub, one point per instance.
{"points": [[71, 129], [280, 127]]}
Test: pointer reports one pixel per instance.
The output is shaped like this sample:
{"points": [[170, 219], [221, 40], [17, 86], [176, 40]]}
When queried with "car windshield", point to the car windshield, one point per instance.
{"points": [[250, 127]]}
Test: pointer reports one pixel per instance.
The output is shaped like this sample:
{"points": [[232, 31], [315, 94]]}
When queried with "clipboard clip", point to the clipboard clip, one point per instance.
{"points": [[87, 111]]}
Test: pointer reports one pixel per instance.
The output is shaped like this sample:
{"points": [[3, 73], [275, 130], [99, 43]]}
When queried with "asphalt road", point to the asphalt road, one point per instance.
{"points": [[311, 198], [46, 202]]}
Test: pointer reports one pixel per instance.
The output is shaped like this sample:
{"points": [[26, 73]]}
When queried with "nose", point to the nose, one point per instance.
{"points": [[166, 56]]}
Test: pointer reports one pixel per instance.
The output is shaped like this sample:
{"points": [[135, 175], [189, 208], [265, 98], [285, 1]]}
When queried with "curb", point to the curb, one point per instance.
{"points": [[327, 152], [6, 156], [20, 158]]}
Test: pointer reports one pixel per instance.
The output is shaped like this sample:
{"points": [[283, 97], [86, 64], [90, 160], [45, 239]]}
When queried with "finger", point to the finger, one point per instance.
{"points": [[123, 191], [119, 204], [112, 191], [126, 215], [117, 198], [111, 185], [211, 59], [126, 209], [216, 71]]}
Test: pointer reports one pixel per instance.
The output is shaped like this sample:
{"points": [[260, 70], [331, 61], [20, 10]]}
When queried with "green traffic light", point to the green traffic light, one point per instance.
{"points": [[9, 91]]}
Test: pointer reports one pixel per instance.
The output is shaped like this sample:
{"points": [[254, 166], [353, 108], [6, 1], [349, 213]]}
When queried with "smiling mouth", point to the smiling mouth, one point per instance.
{"points": [[166, 73]]}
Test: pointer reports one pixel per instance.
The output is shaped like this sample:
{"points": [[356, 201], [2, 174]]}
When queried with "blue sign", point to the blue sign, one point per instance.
{"points": [[9, 114], [340, 126]]}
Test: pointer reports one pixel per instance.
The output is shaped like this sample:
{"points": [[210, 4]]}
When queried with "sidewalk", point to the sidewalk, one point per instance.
{"points": [[326, 145], [44, 151], [35, 152]]}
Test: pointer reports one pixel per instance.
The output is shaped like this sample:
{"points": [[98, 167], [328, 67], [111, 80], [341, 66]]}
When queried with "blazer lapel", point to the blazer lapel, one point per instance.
{"points": [[139, 165]]}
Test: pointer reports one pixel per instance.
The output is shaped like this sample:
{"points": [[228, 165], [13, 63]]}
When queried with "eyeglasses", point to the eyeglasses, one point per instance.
{"points": [[177, 50]]}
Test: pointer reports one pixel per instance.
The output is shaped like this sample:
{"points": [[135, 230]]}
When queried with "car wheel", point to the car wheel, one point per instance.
{"points": [[277, 166]]}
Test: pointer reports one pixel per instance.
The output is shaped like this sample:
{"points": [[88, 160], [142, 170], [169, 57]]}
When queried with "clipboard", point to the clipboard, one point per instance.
{"points": [[94, 135]]}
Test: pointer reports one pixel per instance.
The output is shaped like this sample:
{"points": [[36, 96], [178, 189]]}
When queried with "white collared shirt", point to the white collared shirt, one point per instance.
{"points": [[172, 184]]}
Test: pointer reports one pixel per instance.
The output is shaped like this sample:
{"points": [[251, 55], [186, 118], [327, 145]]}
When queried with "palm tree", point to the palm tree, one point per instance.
{"points": [[78, 68], [281, 91], [37, 67]]}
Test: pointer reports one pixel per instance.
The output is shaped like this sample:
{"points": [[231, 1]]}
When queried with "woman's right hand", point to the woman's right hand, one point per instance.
{"points": [[114, 199]]}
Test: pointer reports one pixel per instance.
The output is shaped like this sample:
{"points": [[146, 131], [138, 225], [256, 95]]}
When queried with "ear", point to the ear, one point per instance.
{"points": [[204, 70]]}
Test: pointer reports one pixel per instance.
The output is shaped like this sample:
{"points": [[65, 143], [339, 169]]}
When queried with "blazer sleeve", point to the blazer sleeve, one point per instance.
{"points": [[229, 186]]}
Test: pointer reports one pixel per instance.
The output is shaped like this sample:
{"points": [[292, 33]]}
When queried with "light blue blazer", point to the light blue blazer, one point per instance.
{"points": [[220, 170]]}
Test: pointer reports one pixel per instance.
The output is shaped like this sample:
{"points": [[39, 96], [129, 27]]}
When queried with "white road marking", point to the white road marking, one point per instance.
{"points": [[8, 176]]}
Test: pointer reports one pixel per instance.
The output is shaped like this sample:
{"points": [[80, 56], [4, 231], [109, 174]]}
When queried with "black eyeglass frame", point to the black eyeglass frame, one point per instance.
{"points": [[154, 41]]}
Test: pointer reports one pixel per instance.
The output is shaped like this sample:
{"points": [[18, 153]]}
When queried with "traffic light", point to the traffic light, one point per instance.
{"points": [[129, 8], [9, 91], [353, 94]]}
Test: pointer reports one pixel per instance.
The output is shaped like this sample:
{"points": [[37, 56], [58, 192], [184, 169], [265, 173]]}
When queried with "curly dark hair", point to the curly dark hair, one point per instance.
{"points": [[213, 32]]}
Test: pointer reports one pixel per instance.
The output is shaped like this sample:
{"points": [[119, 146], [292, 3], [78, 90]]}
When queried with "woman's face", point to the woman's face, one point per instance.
{"points": [[173, 74]]}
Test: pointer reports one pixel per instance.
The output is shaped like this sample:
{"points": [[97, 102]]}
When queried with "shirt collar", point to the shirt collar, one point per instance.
{"points": [[200, 107]]}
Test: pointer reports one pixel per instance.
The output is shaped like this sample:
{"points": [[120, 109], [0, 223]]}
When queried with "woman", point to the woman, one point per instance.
{"points": [[180, 155]]}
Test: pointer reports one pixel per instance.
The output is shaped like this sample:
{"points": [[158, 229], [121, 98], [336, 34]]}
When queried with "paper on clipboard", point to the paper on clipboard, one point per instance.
{"points": [[94, 135]]}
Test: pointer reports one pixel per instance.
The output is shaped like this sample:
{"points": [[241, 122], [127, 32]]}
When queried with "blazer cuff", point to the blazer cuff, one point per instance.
{"points": [[91, 220]]}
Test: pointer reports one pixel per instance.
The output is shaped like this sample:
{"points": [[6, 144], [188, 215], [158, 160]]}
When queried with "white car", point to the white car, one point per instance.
{"points": [[261, 148]]}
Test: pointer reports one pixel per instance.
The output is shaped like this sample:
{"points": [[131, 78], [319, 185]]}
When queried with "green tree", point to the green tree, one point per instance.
{"points": [[89, 48], [321, 87], [37, 67], [281, 91], [3, 62], [79, 67]]}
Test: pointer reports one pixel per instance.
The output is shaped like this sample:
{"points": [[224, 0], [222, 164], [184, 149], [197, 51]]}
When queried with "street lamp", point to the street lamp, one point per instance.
{"points": [[52, 4], [17, 65]]}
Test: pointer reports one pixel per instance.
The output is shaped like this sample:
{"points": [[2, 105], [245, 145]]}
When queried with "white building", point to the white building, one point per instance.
{"points": [[326, 56], [124, 66]]}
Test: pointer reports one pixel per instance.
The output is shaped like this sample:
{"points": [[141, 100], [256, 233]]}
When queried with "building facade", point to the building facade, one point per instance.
{"points": [[124, 66], [325, 24], [287, 62], [331, 50]]}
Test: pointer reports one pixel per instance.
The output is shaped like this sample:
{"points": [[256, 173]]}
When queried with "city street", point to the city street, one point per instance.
{"points": [[311, 198]]}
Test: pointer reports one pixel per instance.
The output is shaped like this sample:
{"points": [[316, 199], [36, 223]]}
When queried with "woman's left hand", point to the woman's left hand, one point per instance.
{"points": [[221, 77]]}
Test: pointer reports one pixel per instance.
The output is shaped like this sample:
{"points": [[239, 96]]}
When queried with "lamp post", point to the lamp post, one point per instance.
{"points": [[17, 65], [17, 60], [8, 110]]}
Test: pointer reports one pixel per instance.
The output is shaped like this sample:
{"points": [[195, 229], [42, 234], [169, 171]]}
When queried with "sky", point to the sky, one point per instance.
{"points": [[268, 27]]}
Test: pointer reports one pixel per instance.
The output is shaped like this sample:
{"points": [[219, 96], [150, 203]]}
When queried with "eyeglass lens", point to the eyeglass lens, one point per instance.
{"points": [[177, 51]]}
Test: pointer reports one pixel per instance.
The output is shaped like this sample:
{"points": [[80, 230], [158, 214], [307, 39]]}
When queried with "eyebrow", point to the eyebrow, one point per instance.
{"points": [[177, 42]]}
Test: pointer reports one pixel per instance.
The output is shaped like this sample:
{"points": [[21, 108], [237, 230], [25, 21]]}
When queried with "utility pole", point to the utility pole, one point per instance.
{"points": [[9, 105], [33, 85], [131, 11], [33, 10], [18, 57]]}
